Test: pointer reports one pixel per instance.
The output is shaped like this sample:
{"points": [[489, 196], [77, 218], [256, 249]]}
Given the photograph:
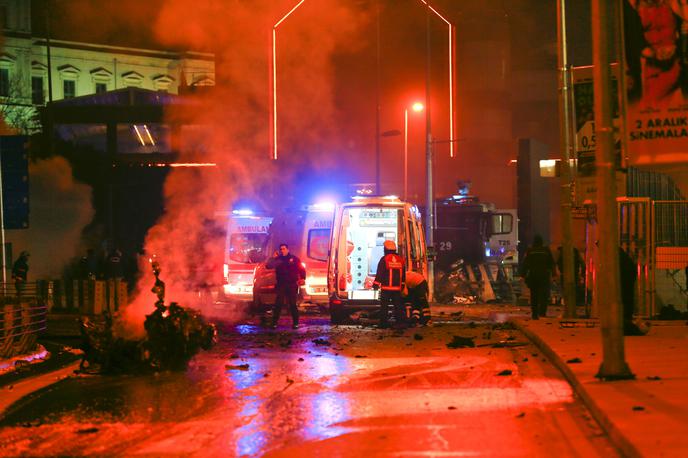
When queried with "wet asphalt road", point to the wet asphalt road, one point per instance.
{"points": [[321, 391]]}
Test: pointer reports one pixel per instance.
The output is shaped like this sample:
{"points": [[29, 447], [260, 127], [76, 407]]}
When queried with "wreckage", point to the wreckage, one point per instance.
{"points": [[174, 334]]}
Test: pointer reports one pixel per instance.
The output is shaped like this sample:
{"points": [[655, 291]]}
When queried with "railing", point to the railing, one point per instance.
{"points": [[671, 223], [90, 297], [22, 317]]}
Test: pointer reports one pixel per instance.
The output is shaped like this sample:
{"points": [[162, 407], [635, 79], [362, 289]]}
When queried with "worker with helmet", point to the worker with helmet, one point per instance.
{"points": [[416, 293], [390, 278]]}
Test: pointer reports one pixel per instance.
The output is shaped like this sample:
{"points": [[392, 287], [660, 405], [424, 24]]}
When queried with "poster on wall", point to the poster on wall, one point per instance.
{"points": [[585, 145], [656, 44]]}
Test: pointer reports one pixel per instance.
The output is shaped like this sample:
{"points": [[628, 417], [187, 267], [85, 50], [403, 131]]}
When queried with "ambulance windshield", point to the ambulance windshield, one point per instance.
{"points": [[247, 248], [318, 242]]}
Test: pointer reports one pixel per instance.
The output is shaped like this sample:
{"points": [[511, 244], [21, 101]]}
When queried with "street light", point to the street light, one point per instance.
{"points": [[417, 107], [273, 80]]}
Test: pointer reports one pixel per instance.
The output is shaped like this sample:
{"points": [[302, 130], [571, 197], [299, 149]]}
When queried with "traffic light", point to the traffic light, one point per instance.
{"points": [[14, 157]]}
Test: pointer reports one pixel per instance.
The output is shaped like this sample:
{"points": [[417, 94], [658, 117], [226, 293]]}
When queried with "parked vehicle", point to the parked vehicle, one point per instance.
{"points": [[247, 235], [307, 233], [359, 231]]}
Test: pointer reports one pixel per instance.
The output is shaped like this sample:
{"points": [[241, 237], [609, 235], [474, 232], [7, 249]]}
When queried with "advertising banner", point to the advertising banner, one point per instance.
{"points": [[656, 44]]}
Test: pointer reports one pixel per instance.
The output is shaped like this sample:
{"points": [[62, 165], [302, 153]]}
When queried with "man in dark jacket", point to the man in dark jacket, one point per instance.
{"points": [[537, 269], [290, 274], [390, 278]]}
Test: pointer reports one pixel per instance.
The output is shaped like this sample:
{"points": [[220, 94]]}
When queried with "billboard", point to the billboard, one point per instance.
{"points": [[656, 44]]}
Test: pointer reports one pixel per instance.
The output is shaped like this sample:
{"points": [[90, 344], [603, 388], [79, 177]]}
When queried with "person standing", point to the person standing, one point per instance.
{"points": [[290, 275], [537, 269], [578, 272], [20, 272], [390, 278]]}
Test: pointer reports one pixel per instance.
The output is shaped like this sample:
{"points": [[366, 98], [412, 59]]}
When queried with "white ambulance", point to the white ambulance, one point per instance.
{"points": [[307, 233], [245, 248], [359, 231]]}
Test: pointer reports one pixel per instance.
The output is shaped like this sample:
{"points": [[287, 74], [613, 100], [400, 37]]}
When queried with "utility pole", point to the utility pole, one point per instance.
{"points": [[565, 146], [430, 211], [378, 185], [614, 366]]}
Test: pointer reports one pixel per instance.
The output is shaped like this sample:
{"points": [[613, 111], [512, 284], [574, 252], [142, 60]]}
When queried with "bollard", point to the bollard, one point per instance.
{"points": [[76, 294], [122, 295], [99, 297]]}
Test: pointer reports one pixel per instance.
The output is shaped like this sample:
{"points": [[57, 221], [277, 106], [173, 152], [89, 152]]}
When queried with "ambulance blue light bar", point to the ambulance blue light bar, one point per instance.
{"points": [[243, 212]]}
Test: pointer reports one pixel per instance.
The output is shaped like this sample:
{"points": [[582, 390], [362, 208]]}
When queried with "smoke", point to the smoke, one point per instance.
{"points": [[234, 128], [59, 210]]}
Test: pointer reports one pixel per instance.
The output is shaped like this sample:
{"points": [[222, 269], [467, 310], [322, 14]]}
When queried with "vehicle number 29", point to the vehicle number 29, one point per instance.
{"points": [[445, 246]]}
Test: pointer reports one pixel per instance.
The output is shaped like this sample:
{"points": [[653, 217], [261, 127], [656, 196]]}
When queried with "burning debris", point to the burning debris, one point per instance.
{"points": [[174, 334]]}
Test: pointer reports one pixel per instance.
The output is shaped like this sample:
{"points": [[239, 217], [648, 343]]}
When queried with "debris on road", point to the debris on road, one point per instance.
{"points": [[461, 342]]}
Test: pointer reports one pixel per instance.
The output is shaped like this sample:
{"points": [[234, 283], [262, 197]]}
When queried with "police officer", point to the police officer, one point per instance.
{"points": [[416, 293], [390, 279], [290, 274], [537, 269]]}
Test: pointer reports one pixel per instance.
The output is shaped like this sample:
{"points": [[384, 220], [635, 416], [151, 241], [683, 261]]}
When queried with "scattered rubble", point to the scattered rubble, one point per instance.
{"points": [[461, 342]]}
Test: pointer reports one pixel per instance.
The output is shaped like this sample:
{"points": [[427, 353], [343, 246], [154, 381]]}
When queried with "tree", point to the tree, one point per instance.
{"points": [[16, 110]]}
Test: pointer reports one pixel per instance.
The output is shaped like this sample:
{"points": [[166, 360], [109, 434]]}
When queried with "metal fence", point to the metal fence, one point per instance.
{"points": [[23, 315], [671, 223]]}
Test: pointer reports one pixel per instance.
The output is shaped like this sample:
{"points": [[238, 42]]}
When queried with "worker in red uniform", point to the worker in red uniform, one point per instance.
{"points": [[416, 293], [390, 278]]}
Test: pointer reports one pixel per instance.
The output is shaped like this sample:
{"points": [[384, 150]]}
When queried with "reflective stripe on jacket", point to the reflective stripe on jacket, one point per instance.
{"points": [[391, 273]]}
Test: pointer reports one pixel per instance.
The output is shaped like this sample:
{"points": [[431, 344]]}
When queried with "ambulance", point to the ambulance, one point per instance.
{"points": [[306, 231], [247, 235], [360, 229]]}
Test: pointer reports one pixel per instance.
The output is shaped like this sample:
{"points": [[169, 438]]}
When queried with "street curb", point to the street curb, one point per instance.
{"points": [[617, 438], [31, 385]]}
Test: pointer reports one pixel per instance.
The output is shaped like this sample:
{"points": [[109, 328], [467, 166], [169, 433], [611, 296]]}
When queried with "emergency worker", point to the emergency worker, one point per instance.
{"points": [[290, 275], [416, 292], [537, 269], [390, 279]]}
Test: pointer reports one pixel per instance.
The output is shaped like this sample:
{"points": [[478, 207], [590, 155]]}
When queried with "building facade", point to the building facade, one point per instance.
{"points": [[36, 69]]}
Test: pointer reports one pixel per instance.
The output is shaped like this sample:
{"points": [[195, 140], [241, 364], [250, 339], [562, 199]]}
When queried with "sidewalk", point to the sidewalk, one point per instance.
{"points": [[647, 416]]}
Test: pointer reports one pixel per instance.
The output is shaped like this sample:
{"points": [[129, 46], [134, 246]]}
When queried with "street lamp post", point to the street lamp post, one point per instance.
{"points": [[417, 107]]}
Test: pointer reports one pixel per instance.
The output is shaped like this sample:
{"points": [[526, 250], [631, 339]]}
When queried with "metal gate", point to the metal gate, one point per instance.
{"points": [[636, 238]]}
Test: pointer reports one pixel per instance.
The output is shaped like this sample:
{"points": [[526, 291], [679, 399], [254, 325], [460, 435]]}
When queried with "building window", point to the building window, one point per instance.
{"points": [[69, 89], [101, 87], [37, 94], [4, 82]]}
